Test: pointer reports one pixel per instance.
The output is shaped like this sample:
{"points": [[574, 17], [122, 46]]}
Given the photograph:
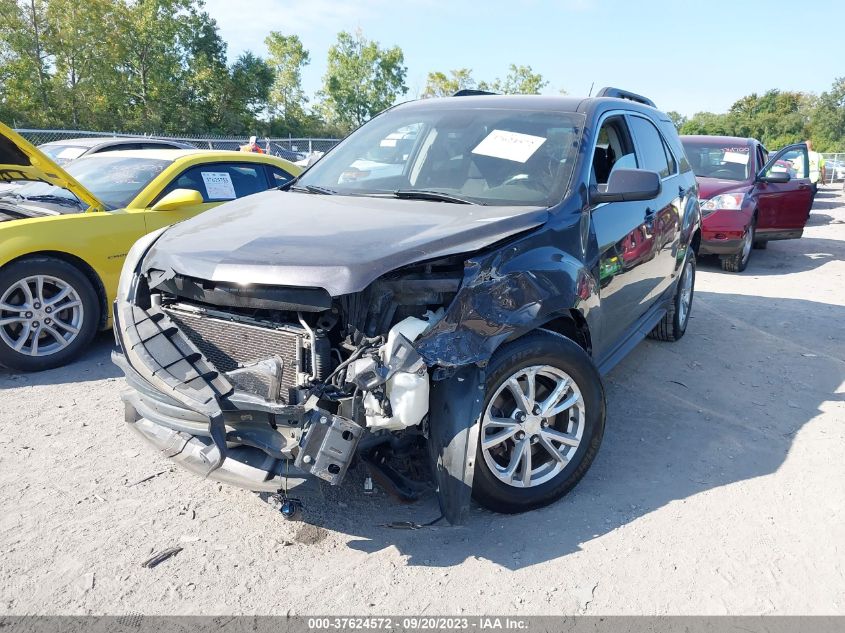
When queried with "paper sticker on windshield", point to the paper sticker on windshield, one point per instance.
{"points": [[736, 157], [509, 145], [218, 185]]}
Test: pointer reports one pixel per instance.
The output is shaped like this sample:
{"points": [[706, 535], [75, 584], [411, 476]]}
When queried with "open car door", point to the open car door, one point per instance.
{"points": [[784, 194]]}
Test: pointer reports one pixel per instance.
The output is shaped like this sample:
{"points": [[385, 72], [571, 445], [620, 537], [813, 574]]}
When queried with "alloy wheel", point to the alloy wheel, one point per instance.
{"points": [[686, 293], [40, 315], [532, 426], [747, 244]]}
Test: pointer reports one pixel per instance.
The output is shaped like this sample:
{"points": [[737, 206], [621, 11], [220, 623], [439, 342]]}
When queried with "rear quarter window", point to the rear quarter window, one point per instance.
{"points": [[670, 134]]}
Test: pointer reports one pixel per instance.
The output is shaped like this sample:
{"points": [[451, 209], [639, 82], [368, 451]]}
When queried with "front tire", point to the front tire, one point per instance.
{"points": [[673, 325], [49, 312], [542, 423], [738, 262]]}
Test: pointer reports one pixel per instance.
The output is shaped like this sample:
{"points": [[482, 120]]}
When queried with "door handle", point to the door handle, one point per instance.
{"points": [[681, 192], [649, 213]]}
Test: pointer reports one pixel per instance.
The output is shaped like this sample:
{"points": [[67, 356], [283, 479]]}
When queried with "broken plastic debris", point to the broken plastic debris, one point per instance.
{"points": [[162, 556]]}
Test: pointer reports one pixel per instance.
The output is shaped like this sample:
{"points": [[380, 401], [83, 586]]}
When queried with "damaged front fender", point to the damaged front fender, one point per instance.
{"points": [[505, 294]]}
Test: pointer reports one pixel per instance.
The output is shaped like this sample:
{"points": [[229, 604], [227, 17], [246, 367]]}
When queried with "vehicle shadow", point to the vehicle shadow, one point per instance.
{"points": [[824, 205], [786, 256], [822, 219], [94, 364], [720, 406]]}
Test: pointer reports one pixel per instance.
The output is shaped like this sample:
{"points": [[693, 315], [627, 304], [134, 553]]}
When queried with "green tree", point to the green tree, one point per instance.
{"points": [[206, 92], [150, 33], [827, 120], [287, 57], [520, 80], [252, 79], [23, 26], [776, 118], [707, 123], [677, 118], [362, 79], [439, 85], [82, 59]]}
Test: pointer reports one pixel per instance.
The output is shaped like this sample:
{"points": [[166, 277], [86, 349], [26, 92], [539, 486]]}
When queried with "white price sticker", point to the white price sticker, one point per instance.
{"points": [[509, 145], [218, 185], [736, 157]]}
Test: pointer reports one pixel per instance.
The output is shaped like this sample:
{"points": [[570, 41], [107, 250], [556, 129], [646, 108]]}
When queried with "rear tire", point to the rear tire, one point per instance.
{"points": [[553, 448], [49, 312], [673, 325]]}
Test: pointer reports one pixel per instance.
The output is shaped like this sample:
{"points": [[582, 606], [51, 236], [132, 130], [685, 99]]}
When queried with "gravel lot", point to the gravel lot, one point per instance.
{"points": [[719, 488]]}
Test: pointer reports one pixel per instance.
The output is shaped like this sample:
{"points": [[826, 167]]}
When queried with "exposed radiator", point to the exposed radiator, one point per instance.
{"points": [[229, 345]]}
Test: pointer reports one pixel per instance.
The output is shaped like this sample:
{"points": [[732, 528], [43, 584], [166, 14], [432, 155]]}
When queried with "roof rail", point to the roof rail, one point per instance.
{"points": [[618, 93], [471, 92]]}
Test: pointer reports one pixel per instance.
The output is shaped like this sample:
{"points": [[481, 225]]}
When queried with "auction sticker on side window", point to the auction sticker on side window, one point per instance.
{"points": [[509, 145], [218, 185]]}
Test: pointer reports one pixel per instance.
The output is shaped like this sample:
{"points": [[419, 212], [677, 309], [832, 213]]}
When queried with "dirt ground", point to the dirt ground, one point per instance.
{"points": [[718, 490]]}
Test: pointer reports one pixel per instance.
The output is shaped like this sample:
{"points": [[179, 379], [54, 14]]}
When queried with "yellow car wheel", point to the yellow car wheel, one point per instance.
{"points": [[49, 312]]}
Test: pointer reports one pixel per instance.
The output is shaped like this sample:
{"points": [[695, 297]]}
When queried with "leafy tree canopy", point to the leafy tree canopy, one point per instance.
{"points": [[362, 80]]}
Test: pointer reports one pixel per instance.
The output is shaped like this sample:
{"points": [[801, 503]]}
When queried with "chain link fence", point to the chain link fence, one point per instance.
{"points": [[289, 148], [834, 168]]}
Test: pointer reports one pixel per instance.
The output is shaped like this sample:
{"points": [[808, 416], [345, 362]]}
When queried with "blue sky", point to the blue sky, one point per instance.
{"points": [[686, 56]]}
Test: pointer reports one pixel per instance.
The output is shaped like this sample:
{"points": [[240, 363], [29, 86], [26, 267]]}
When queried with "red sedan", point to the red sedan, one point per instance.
{"points": [[748, 197]]}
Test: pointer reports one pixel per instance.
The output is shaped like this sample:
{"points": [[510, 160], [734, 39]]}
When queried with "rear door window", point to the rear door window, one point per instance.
{"points": [[651, 149], [219, 182]]}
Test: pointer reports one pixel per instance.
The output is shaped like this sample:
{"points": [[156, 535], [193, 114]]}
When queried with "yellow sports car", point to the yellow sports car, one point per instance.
{"points": [[64, 236]]}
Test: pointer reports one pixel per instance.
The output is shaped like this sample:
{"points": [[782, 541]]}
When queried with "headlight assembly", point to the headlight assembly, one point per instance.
{"points": [[724, 201]]}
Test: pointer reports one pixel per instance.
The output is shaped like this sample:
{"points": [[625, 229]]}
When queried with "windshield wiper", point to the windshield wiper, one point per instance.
{"points": [[325, 191], [55, 199], [439, 196]]}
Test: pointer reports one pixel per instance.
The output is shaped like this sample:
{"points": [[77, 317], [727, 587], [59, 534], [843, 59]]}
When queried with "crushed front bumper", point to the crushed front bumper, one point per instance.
{"points": [[176, 402], [182, 435]]}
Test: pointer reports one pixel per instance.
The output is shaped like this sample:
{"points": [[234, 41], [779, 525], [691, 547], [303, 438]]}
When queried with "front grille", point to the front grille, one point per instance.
{"points": [[230, 345]]}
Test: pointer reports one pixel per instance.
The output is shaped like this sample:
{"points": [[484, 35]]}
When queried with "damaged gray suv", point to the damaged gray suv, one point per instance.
{"points": [[450, 282]]}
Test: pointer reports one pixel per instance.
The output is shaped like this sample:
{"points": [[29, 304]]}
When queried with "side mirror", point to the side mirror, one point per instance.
{"points": [[775, 177], [629, 184], [177, 199]]}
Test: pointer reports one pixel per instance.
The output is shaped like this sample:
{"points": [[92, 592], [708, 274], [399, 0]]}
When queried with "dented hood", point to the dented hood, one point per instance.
{"points": [[20, 160], [339, 243]]}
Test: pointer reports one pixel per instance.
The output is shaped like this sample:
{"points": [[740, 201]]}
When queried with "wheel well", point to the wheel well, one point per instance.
{"points": [[574, 327], [695, 243], [85, 269]]}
